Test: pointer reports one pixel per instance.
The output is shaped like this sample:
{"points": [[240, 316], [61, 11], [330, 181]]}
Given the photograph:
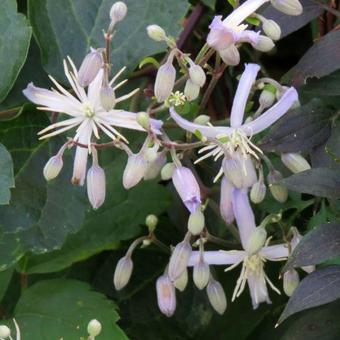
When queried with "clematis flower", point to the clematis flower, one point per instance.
{"points": [[86, 113], [253, 263]]}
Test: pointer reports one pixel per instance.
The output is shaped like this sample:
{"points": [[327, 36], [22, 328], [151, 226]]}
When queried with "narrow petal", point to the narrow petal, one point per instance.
{"points": [[249, 37], [93, 92], [278, 252], [226, 207], [242, 93], [244, 215], [258, 289], [206, 131], [218, 257], [273, 114]]}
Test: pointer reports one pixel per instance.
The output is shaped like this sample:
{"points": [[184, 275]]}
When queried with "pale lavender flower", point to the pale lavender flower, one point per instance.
{"points": [[226, 208], [166, 295]]}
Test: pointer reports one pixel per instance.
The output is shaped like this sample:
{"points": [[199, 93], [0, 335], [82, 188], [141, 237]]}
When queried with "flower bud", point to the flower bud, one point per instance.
{"points": [[5, 332], [271, 29], [167, 171], [53, 167], [107, 98], [201, 274], [202, 119], [150, 154], [118, 11], [264, 44], [279, 192], [143, 120], [165, 81], [226, 208], [156, 33], [151, 222], [94, 327], [191, 90], [90, 67], [216, 296], [291, 281], [230, 55], [295, 162], [96, 186], [289, 7], [166, 295], [196, 222], [187, 187], [233, 172], [134, 170], [123, 272], [197, 75], [267, 96], [258, 192], [179, 259], [155, 167], [256, 241], [182, 281]]}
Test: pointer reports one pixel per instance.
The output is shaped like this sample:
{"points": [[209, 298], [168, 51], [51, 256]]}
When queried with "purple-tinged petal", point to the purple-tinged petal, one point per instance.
{"points": [[258, 289], [273, 114], [278, 252], [249, 37], [218, 257], [226, 207], [220, 36]]}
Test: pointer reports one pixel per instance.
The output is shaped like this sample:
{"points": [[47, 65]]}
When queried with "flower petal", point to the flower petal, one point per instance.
{"points": [[218, 257], [278, 252], [258, 289], [93, 91]]}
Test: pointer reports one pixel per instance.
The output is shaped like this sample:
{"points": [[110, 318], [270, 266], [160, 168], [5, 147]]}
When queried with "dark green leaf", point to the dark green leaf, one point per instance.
{"points": [[210, 3], [318, 288], [5, 278], [6, 175]]}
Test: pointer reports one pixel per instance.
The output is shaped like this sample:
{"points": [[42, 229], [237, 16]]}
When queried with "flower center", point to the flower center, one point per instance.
{"points": [[88, 110]]}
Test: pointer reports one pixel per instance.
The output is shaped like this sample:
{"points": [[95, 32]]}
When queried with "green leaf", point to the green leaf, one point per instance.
{"points": [[70, 27], [318, 288], [5, 278], [61, 309], [6, 175], [15, 39], [210, 3]]}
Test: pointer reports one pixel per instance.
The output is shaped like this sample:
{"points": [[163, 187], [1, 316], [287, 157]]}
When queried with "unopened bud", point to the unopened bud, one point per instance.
{"points": [[96, 186], [167, 171], [256, 241], [226, 208], [230, 55], [156, 33], [181, 282], [279, 192], [118, 11], [107, 98], [179, 259], [267, 96], [123, 272], [201, 274], [264, 44], [191, 90], [271, 29], [165, 81], [155, 167], [289, 7], [187, 187], [197, 75], [134, 170], [295, 162], [143, 120], [258, 192], [166, 295], [216, 296], [53, 167], [196, 222], [291, 281], [151, 222], [94, 327], [5, 332], [202, 119], [90, 67]]}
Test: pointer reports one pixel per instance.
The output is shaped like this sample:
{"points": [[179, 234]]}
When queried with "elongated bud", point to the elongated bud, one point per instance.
{"points": [[156, 33], [143, 120], [187, 187], [151, 222], [295, 162], [216, 296], [289, 7], [90, 67], [279, 192], [202, 119], [264, 44], [123, 272], [166, 295], [107, 98], [256, 241], [53, 167], [201, 274], [271, 29], [134, 170], [230, 55], [118, 11], [182, 281], [267, 96], [154, 168], [196, 222], [258, 192], [165, 81], [96, 185], [79, 166], [197, 75], [291, 281], [226, 207], [5, 332], [248, 171], [94, 327], [167, 171], [191, 90], [179, 259]]}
